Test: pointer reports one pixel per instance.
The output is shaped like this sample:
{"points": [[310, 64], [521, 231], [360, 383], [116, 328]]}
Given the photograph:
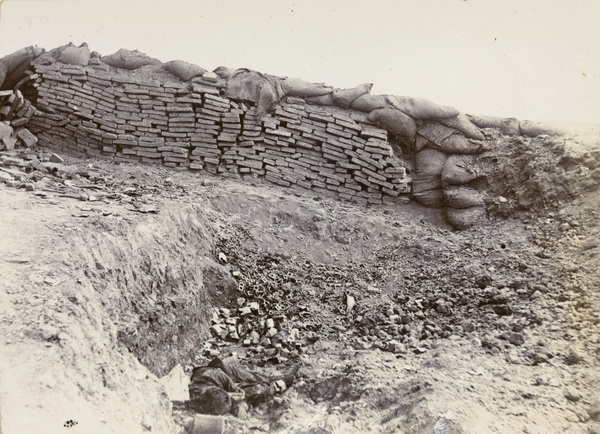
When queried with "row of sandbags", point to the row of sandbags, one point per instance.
{"points": [[515, 127], [441, 180], [13, 66]]}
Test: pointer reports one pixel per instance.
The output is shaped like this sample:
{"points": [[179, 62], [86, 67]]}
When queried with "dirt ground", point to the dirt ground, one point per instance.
{"points": [[493, 329]]}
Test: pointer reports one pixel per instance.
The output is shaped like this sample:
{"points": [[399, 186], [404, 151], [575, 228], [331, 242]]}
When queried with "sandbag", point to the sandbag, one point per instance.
{"points": [[16, 75], [419, 143], [461, 197], [301, 88], [447, 139], [465, 218], [429, 162], [367, 103], [462, 123], [184, 70], [245, 84], [534, 129], [13, 60], [435, 132], [326, 99], [75, 55], [15, 64], [248, 85], [460, 169], [226, 72], [395, 122], [459, 144], [421, 108], [344, 97], [2, 73], [128, 59], [508, 126], [427, 190]]}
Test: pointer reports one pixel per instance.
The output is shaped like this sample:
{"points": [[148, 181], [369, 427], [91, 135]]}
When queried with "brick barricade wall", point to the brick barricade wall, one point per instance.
{"points": [[327, 150]]}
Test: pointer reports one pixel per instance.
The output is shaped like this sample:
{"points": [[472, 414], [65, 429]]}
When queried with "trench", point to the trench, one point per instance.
{"points": [[201, 280]]}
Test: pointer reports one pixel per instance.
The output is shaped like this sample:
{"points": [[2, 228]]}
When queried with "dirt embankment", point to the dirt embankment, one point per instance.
{"points": [[488, 330]]}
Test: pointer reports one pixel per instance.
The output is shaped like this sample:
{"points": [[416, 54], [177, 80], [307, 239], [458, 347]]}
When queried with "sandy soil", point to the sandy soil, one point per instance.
{"points": [[494, 329]]}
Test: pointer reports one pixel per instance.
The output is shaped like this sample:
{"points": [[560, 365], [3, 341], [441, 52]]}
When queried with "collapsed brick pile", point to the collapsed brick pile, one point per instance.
{"points": [[15, 112]]}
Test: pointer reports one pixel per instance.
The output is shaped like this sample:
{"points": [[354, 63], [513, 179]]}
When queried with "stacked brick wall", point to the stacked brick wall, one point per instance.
{"points": [[120, 117]]}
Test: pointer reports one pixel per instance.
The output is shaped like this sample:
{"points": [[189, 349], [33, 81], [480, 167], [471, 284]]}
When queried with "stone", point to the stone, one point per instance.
{"points": [[396, 347], [27, 137], [5, 130], [594, 411], [9, 143], [56, 159], [572, 394], [176, 384], [350, 302]]}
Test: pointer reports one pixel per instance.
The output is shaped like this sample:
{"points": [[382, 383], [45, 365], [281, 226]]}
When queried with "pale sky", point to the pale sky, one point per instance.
{"points": [[528, 59]]}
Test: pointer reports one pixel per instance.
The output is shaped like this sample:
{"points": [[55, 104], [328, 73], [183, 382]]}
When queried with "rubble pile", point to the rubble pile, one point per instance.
{"points": [[15, 112]]}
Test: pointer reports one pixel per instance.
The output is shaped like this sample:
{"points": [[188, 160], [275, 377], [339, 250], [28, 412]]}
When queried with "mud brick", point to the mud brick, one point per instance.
{"points": [[202, 89], [340, 133], [373, 174], [297, 109], [362, 181], [204, 121], [181, 130], [303, 144], [56, 77], [289, 176], [19, 122], [320, 135], [376, 143], [399, 172], [362, 163], [179, 109], [321, 117], [217, 99], [223, 137], [189, 100], [368, 132], [135, 90], [283, 114], [27, 137], [304, 184], [170, 159], [366, 158], [350, 125], [278, 132], [381, 183], [349, 166], [300, 128], [98, 82], [301, 163], [385, 152], [332, 156], [201, 152], [277, 180]]}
